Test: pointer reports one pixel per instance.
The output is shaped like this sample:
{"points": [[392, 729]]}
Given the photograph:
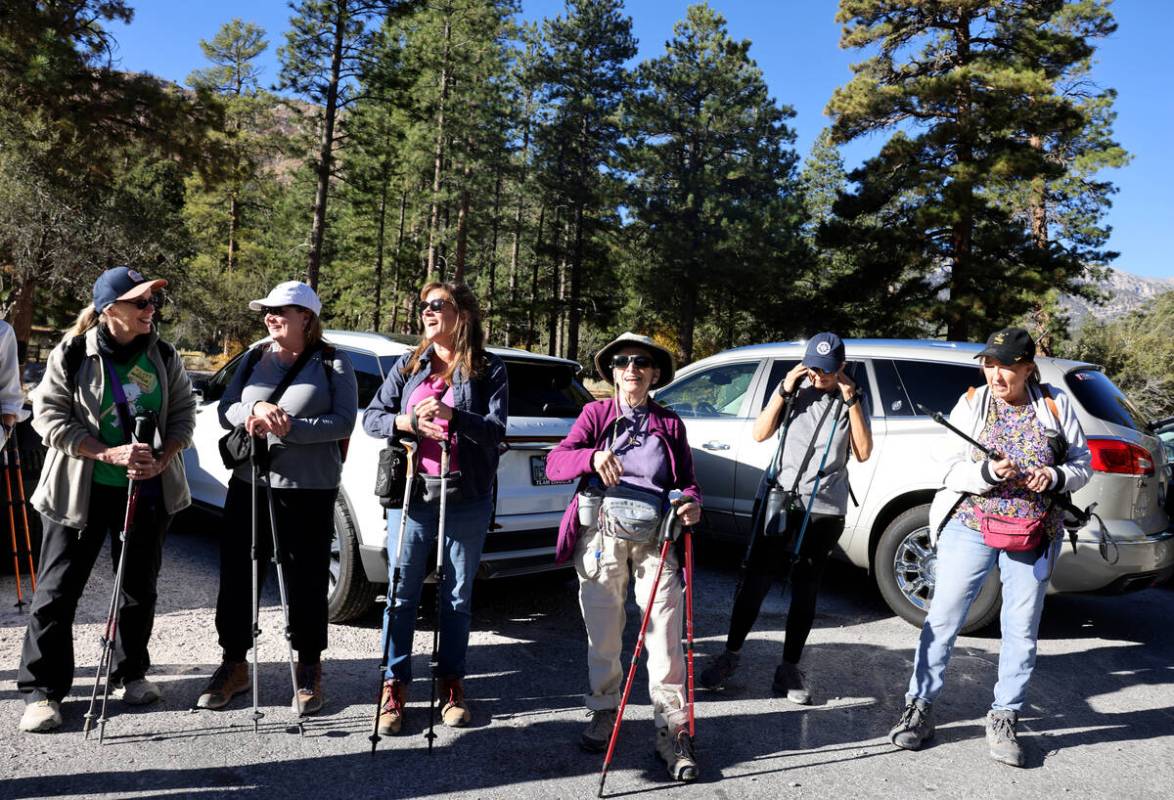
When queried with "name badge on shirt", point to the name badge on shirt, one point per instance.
{"points": [[145, 380]]}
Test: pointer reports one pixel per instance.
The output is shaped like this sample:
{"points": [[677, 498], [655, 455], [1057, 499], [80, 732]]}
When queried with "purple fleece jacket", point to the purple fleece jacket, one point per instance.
{"points": [[572, 459]]}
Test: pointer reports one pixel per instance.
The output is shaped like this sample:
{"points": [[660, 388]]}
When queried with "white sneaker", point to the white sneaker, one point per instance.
{"points": [[139, 692], [41, 716]]}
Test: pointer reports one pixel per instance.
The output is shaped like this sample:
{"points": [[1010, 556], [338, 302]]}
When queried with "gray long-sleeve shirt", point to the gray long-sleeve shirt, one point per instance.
{"points": [[321, 411]]}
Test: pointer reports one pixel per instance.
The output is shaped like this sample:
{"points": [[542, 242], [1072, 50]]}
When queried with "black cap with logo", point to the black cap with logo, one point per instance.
{"points": [[1009, 346]]}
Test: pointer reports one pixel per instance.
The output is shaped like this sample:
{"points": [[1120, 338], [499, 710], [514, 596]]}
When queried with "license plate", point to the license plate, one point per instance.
{"points": [[538, 473]]}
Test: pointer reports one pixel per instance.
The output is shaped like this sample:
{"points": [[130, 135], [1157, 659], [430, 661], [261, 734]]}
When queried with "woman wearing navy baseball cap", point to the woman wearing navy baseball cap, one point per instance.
{"points": [[815, 401], [110, 369]]}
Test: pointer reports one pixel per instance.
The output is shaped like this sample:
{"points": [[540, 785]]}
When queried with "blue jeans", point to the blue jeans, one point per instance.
{"points": [[962, 566], [465, 529]]}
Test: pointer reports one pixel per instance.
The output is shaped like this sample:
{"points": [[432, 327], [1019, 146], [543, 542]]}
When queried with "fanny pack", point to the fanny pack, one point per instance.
{"points": [[427, 488], [1013, 534], [391, 474], [629, 513]]}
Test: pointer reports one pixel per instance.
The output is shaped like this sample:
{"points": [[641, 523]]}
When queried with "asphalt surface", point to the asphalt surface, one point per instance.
{"points": [[1100, 721]]}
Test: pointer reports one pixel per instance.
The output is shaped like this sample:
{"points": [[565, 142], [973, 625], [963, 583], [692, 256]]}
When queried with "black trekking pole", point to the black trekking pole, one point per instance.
{"points": [[144, 432], [277, 559], [431, 735], [814, 491], [758, 510], [257, 713], [389, 611]]}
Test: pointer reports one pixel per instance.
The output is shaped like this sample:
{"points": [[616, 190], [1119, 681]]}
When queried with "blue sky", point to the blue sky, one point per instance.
{"points": [[796, 42]]}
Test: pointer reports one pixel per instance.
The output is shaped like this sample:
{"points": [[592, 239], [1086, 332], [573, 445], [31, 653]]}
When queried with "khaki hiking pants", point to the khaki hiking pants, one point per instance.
{"points": [[604, 564]]}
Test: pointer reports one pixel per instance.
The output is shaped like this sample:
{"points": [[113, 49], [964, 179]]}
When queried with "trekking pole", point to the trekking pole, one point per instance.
{"points": [[389, 611], [431, 735], [688, 532], [24, 511], [293, 675], [12, 531], [144, 432], [615, 731], [257, 713]]}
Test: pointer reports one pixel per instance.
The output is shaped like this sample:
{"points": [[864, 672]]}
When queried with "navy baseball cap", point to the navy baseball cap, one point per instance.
{"points": [[825, 351], [121, 283]]}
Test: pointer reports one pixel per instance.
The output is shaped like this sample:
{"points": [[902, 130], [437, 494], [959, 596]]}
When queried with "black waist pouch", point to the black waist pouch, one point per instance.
{"points": [[391, 475]]}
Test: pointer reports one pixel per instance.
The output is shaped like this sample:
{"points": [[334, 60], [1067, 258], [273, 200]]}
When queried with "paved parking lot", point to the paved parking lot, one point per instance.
{"points": [[1100, 722]]}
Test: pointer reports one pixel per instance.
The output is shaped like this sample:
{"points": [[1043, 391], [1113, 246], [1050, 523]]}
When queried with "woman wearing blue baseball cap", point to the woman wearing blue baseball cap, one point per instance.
{"points": [[109, 370], [816, 401]]}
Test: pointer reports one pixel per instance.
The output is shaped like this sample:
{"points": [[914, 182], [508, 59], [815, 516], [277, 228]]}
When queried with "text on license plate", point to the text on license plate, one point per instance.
{"points": [[538, 472]]}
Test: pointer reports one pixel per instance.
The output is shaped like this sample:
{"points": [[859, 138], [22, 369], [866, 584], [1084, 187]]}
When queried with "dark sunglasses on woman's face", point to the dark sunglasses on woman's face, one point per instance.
{"points": [[142, 302], [435, 306], [621, 362]]}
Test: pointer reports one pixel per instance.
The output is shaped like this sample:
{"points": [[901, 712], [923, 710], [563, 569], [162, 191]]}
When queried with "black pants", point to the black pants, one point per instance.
{"points": [[769, 559], [67, 558], [305, 522]]}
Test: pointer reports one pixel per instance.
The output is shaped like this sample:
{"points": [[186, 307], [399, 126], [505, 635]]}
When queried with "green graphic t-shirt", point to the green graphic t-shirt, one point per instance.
{"points": [[140, 382]]}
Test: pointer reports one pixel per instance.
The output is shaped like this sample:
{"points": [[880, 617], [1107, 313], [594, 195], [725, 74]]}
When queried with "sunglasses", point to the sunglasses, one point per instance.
{"points": [[142, 302], [640, 362], [279, 311], [435, 306]]}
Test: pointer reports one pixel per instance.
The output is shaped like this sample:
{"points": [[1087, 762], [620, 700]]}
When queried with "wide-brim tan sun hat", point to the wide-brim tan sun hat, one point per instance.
{"points": [[660, 356]]}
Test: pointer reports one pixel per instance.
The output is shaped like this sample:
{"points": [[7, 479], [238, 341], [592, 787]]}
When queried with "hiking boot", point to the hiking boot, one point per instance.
{"points": [[139, 692], [309, 697], [230, 679], [455, 712], [41, 716], [391, 706], [792, 683], [598, 733], [714, 676], [914, 727], [1001, 738], [675, 749]]}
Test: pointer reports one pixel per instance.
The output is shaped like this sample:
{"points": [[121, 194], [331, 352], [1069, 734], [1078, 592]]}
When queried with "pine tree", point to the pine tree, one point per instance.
{"points": [[968, 88]]}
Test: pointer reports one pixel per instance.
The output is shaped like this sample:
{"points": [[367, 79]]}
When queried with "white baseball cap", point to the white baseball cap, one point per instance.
{"points": [[289, 293]]}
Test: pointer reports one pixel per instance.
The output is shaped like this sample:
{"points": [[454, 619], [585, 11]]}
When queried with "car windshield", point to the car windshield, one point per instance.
{"points": [[1101, 398], [540, 389]]}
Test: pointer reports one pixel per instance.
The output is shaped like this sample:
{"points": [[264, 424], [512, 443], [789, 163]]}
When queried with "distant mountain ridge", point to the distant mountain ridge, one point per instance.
{"points": [[1125, 292]]}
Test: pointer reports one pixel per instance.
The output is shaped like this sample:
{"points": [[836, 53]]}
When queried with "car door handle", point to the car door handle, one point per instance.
{"points": [[715, 446]]}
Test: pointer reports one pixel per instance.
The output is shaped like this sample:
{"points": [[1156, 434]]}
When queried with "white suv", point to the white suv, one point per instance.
{"points": [[887, 533], [545, 399]]}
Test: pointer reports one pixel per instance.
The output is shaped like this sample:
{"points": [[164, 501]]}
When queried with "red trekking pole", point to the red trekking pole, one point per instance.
{"points": [[24, 510], [12, 531], [689, 622], [615, 731]]}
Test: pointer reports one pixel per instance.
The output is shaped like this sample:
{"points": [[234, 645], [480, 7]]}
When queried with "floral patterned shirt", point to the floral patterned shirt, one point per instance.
{"points": [[1016, 433]]}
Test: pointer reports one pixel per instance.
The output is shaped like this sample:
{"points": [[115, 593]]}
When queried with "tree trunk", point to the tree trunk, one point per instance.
{"points": [[326, 147], [489, 304], [574, 311], [552, 321], [531, 321], [234, 218], [379, 239], [961, 193], [20, 315], [438, 154], [399, 246], [458, 270]]}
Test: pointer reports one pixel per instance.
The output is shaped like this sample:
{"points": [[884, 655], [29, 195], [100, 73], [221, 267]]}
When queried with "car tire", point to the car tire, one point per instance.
{"points": [[904, 570], [350, 594]]}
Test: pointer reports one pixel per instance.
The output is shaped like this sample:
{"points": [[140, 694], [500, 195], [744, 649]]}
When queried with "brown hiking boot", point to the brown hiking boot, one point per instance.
{"points": [[309, 697], [454, 712], [391, 706], [230, 679]]}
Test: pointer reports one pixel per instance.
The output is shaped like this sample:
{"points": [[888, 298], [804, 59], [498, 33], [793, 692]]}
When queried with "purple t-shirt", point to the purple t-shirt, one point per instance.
{"points": [[645, 462], [434, 386]]}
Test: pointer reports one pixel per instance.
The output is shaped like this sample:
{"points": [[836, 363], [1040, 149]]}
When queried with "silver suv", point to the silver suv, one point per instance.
{"points": [[887, 533]]}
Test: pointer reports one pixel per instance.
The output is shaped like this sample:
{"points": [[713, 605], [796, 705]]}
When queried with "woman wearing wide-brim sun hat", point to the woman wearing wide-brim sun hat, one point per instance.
{"points": [[110, 368], [630, 445]]}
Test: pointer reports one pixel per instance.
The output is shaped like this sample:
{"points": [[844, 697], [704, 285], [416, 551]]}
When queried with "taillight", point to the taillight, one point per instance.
{"points": [[1120, 458]]}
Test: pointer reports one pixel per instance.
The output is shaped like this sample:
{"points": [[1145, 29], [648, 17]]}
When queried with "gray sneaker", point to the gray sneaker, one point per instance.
{"points": [[675, 748], [41, 716], [1001, 738], [714, 676], [790, 681], [598, 733], [914, 727], [138, 692]]}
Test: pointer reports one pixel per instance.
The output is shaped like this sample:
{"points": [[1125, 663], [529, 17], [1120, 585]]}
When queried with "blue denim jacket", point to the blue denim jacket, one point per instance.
{"points": [[479, 420]]}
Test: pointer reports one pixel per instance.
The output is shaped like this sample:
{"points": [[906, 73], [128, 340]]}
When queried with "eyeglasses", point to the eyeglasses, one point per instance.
{"points": [[640, 362], [279, 311], [435, 306], [142, 302]]}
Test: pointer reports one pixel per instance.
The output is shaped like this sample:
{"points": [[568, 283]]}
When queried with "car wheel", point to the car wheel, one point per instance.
{"points": [[905, 566], [350, 594]]}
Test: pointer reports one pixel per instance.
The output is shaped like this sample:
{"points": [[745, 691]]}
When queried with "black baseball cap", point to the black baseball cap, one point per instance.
{"points": [[1009, 346]]}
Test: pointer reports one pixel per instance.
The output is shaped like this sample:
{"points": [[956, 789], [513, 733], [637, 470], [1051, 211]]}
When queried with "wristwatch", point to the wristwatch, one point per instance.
{"points": [[852, 401]]}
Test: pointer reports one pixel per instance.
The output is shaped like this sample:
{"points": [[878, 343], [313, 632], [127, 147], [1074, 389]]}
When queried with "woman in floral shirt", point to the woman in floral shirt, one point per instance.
{"points": [[996, 509]]}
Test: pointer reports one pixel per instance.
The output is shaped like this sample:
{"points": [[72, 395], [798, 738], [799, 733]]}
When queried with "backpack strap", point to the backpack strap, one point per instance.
{"points": [[328, 351], [970, 394], [1050, 402], [75, 355]]}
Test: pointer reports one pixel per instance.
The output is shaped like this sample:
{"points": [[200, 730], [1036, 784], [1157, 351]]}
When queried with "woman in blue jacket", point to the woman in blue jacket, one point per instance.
{"points": [[448, 388]]}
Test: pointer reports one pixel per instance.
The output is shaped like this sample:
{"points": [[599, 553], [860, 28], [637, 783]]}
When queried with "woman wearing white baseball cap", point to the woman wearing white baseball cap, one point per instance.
{"points": [[297, 396]]}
